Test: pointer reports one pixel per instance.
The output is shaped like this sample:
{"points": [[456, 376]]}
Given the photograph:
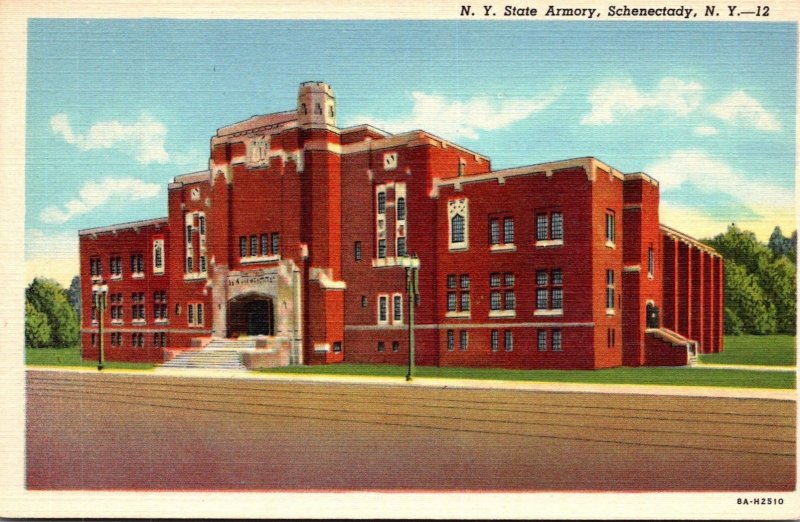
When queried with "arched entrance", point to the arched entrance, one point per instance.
{"points": [[250, 314]]}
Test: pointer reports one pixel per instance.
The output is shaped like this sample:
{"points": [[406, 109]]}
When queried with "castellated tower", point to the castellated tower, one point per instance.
{"points": [[316, 104]]}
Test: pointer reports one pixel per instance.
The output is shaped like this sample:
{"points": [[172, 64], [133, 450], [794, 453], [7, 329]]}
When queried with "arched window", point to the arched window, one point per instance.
{"points": [[457, 229]]}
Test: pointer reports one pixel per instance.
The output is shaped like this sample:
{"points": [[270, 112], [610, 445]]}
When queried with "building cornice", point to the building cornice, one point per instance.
{"points": [[123, 226], [680, 236]]}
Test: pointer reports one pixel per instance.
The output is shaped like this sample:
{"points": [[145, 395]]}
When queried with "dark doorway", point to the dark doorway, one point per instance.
{"points": [[652, 318], [251, 315]]}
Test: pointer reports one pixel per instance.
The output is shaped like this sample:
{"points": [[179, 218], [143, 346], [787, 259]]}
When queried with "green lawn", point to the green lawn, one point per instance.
{"points": [[663, 376], [71, 357], [772, 350]]}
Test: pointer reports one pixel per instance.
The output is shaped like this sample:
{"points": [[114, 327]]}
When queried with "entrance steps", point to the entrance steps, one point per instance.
{"points": [[231, 344], [217, 359]]}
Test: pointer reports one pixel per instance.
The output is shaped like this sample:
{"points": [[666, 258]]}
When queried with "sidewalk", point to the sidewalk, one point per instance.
{"points": [[755, 367], [430, 382]]}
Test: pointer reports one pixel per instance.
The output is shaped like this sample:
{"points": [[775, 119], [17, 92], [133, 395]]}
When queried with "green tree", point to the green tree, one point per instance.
{"points": [[746, 299], [74, 296], [49, 298], [778, 243], [37, 330], [779, 283]]}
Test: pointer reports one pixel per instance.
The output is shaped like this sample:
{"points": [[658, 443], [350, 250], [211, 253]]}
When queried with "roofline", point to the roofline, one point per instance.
{"points": [[676, 234], [192, 177], [642, 175], [364, 126], [122, 226]]}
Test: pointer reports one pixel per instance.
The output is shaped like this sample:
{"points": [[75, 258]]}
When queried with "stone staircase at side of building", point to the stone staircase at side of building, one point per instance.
{"points": [[217, 355]]}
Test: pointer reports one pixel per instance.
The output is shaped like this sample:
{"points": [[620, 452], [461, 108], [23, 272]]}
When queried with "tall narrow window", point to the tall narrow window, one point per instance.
{"points": [[276, 243], [610, 289], [509, 341], [451, 343], [383, 305], [397, 308], [610, 227], [457, 224], [401, 209], [158, 256], [556, 341], [381, 248], [541, 290], [253, 246], [202, 264], [202, 224], [188, 234], [494, 231], [463, 343], [190, 314], [557, 225], [401, 247], [651, 261], [199, 314], [541, 340], [381, 202], [357, 250], [264, 244], [541, 227], [557, 280], [242, 246], [495, 340], [508, 230]]}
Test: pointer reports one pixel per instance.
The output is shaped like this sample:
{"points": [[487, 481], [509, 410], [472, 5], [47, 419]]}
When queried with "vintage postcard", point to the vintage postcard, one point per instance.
{"points": [[530, 260]]}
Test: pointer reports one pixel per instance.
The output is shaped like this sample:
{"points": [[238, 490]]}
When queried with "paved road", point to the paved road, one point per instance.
{"points": [[145, 432]]}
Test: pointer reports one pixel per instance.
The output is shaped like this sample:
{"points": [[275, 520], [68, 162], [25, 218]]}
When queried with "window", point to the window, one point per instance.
{"points": [[465, 301], [116, 266], [189, 264], [612, 337], [451, 301], [610, 289], [541, 337], [401, 209], [457, 229], [503, 298], [494, 231], [188, 234], [95, 267], [381, 248], [451, 343], [541, 290], [190, 314], [651, 261], [495, 341], [253, 246], [549, 292], [509, 341], [401, 247], [610, 227], [508, 230], [397, 308], [556, 341], [395, 346], [242, 246], [264, 244], [458, 295], [158, 256], [363, 301], [463, 341], [557, 225], [380, 346], [357, 250], [383, 305], [202, 224], [541, 227], [381, 202], [276, 243], [202, 264], [458, 217], [465, 282], [199, 314], [137, 264], [451, 281]]}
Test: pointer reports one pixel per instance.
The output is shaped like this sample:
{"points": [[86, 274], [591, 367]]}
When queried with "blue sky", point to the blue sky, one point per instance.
{"points": [[116, 108]]}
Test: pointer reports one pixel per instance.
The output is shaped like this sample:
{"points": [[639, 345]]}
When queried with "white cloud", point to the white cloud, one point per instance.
{"points": [[705, 130], [145, 137], [94, 194], [618, 98], [455, 119], [51, 255], [764, 205], [742, 109]]}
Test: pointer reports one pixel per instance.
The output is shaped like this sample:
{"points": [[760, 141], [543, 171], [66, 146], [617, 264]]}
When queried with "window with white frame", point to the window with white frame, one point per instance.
{"points": [[458, 223], [383, 309], [458, 297], [501, 232], [242, 246], [381, 202], [495, 340], [158, 256], [542, 290], [381, 248], [651, 261], [501, 292], [556, 341], [611, 232], [463, 341], [549, 292], [116, 267], [401, 247], [397, 308], [137, 265], [541, 340], [451, 342], [549, 228], [610, 287], [509, 341]]}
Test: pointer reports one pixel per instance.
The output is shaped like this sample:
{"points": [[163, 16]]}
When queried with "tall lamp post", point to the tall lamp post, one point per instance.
{"points": [[100, 291], [412, 287]]}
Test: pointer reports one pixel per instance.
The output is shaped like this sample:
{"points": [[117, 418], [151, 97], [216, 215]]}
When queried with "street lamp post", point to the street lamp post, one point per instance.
{"points": [[100, 291], [412, 287]]}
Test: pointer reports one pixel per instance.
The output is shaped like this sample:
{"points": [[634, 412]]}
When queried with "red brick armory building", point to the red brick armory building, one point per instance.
{"points": [[299, 232]]}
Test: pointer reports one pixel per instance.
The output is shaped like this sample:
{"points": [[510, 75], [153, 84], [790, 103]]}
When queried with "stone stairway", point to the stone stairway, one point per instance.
{"points": [[210, 358], [231, 344]]}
